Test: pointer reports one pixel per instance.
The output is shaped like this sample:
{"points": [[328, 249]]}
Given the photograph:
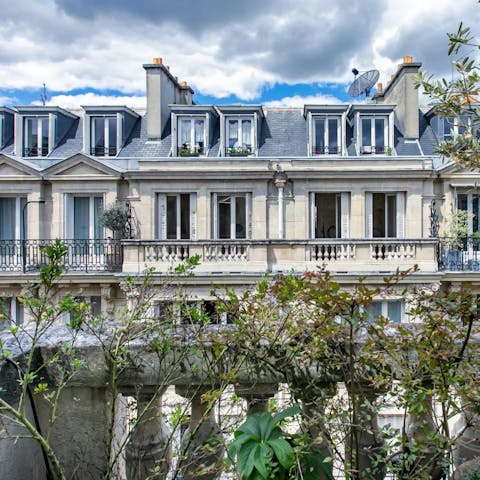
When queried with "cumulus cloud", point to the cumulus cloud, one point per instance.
{"points": [[222, 48], [90, 99], [300, 101]]}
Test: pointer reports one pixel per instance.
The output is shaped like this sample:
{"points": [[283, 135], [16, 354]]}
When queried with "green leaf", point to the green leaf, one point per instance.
{"points": [[283, 451], [260, 460]]}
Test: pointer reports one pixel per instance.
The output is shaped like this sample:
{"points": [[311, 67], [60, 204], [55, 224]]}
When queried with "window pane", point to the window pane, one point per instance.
{"points": [[112, 136], [332, 135], [374, 310], [378, 201], [475, 211], [171, 216], [31, 136], [233, 133], [462, 202], [7, 218], [247, 133], [97, 211], [81, 218], [240, 217], [200, 134], [224, 217], [366, 132], [98, 136], [319, 136], [392, 216], [6, 311], [44, 136], [326, 222], [379, 135], [395, 311], [185, 131], [448, 128], [185, 215]]}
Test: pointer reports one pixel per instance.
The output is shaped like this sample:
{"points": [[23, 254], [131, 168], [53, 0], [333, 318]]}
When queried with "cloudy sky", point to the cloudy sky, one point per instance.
{"points": [[280, 52]]}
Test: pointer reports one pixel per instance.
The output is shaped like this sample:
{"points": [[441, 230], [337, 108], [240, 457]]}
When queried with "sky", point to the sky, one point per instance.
{"points": [[270, 52]]}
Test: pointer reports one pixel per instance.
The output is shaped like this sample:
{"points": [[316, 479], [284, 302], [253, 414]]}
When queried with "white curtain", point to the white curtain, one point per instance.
{"points": [[7, 218]]}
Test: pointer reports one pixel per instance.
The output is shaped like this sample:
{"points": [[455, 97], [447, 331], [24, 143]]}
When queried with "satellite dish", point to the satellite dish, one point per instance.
{"points": [[363, 83]]}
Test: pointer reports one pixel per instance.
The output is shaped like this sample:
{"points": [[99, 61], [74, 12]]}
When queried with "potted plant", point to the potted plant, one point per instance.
{"points": [[115, 218], [187, 150], [239, 151], [458, 229]]}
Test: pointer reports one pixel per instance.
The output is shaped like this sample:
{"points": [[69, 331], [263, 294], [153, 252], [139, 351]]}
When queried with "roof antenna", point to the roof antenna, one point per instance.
{"points": [[43, 95]]}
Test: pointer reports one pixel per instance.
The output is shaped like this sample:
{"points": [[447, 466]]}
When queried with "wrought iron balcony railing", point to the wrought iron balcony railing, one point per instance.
{"points": [[82, 255], [326, 150], [459, 254]]}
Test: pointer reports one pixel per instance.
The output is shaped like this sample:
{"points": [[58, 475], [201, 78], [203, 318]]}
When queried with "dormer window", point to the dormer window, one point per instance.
{"points": [[35, 137], [373, 135], [106, 129], [104, 136], [191, 136], [327, 135], [239, 135]]}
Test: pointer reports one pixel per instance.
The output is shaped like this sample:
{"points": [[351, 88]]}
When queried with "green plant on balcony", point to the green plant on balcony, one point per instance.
{"points": [[458, 228], [115, 218], [187, 150], [239, 151]]}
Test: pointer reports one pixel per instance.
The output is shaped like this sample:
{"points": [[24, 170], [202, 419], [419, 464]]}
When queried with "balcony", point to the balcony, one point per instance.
{"points": [[461, 254], [244, 256], [326, 150], [82, 255]]}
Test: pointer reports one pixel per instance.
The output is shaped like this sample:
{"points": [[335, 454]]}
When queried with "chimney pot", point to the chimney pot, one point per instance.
{"points": [[157, 61], [379, 88], [183, 84], [407, 59], [168, 67]]}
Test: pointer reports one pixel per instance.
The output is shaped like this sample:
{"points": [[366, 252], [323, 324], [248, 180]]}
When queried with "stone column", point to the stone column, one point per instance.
{"points": [[365, 441], [257, 396], [314, 400], [202, 445], [468, 444], [420, 428], [148, 454]]}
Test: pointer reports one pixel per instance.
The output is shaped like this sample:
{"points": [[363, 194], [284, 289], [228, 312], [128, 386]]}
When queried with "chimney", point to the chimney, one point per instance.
{"points": [[379, 88], [401, 91], [163, 89]]}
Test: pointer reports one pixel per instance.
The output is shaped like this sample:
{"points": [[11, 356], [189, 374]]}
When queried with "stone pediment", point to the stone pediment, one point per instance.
{"points": [[11, 169], [81, 166]]}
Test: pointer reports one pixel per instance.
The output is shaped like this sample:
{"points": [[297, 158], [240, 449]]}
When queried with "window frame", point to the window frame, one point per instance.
{"points": [[342, 215], [373, 149], [233, 215], [70, 213], [39, 151], [107, 150], [16, 311], [201, 151], [161, 224], [400, 220], [326, 148], [384, 307], [240, 146]]}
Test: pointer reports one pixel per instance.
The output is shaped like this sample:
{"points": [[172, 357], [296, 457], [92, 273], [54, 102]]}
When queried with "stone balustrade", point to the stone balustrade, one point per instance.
{"points": [[82, 439], [344, 255]]}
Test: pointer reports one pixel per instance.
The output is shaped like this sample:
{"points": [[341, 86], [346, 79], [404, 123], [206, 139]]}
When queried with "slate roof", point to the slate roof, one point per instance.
{"points": [[284, 133]]}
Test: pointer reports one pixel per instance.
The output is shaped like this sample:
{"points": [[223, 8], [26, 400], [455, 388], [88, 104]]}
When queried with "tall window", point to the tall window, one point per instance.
{"points": [[103, 136], [239, 134], [191, 135], [374, 135], [11, 221], [176, 216], [11, 312], [83, 218], [231, 216], [35, 137], [327, 136], [385, 214], [470, 202], [330, 215]]}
